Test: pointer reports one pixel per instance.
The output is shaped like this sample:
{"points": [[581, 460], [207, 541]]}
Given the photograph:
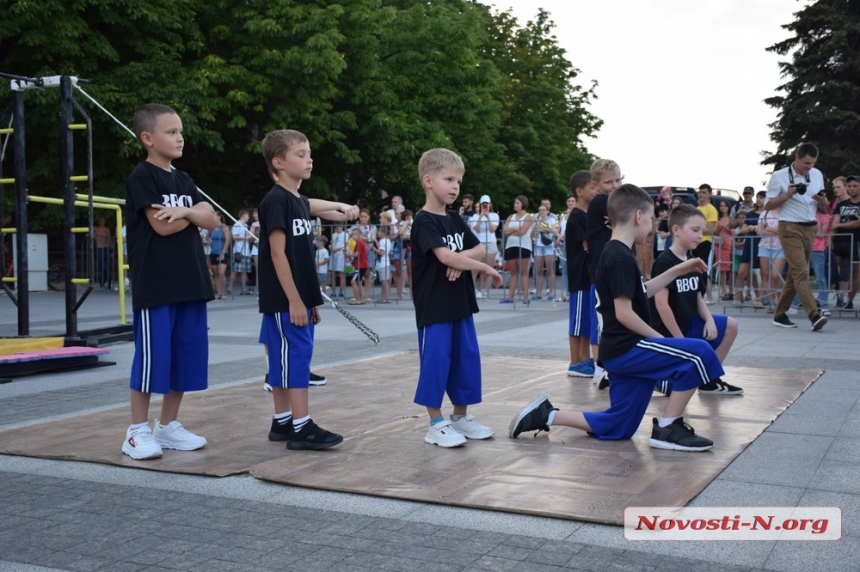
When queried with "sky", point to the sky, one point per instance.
{"points": [[681, 83]]}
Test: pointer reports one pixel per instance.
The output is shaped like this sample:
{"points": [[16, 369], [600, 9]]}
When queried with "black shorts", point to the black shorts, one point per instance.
{"points": [[517, 253], [213, 260]]}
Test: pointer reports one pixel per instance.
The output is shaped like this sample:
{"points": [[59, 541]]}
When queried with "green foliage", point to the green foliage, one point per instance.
{"points": [[372, 83], [821, 101]]}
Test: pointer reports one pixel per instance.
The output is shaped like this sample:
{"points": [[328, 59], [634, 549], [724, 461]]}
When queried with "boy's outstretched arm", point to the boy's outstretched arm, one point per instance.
{"points": [[170, 220], [659, 282], [460, 261], [631, 320], [278, 243], [331, 210]]}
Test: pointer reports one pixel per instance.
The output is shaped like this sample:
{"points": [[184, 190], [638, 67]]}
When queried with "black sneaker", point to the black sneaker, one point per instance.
{"points": [[818, 322], [720, 387], [281, 432], [534, 417], [312, 437], [316, 379], [783, 322], [678, 437], [849, 306]]}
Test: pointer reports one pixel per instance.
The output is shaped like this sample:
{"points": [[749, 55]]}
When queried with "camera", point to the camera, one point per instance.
{"points": [[800, 188]]}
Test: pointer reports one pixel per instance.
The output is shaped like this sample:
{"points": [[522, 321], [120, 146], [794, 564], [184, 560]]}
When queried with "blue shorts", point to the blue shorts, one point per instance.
{"points": [[773, 253], [171, 348], [583, 318], [686, 363], [544, 250], [697, 329], [450, 363], [290, 349]]}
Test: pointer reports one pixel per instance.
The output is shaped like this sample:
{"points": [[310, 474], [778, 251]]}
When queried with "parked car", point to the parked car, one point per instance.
{"points": [[690, 195]]}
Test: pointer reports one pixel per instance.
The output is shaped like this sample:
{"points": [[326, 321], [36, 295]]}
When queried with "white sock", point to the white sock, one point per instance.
{"points": [[283, 418], [298, 424], [550, 419], [598, 371], [666, 421], [135, 426]]}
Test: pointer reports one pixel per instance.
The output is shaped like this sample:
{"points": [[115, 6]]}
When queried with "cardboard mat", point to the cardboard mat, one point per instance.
{"points": [[561, 474]]}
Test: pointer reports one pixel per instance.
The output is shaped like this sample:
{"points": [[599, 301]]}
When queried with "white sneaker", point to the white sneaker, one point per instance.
{"points": [[267, 387], [478, 294], [791, 311], [140, 444], [471, 429], [175, 436], [444, 435]]}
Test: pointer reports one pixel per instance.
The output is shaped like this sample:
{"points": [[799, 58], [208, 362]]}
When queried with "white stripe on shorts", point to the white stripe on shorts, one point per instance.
{"points": [[283, 352], [679, 353], [145, 351]]}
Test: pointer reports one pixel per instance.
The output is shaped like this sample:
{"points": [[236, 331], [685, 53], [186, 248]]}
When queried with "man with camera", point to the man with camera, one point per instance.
{"points": [[798, 192]]}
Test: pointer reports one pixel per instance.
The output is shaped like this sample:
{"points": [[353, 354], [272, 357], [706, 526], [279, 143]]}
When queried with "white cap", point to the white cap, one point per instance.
{"points": [[485, 199]]}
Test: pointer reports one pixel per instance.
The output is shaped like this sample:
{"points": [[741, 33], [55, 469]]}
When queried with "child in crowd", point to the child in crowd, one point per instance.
{"points": [[582, 332], [606, 175], [289, 292], [679, 310], [382, 247], [358, 256], [445, 251], [337, 262], [164, 212], [635, 355], [322, 259]]}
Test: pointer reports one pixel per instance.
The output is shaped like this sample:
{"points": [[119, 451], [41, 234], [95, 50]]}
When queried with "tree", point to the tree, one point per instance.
{"points": [[821, 101]]}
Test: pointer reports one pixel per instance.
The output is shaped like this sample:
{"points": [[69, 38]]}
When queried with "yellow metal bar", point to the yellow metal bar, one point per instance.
{"points": [[7, 231], [81, 230], [7, 130], [7, 181], [79, 178], [77, 126], [9, 279], [96, 198], [121, 263]]}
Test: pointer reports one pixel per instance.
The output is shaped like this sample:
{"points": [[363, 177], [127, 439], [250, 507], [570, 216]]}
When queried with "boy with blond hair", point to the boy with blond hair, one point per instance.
{"points": [[165, 211], [606, 176], [289, 291], [444, 254], [635, 355]]}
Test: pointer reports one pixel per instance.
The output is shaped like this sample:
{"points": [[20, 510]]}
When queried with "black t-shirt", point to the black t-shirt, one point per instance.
{"points": [[618, 275], [578, 278], [165, 269], [848, 211], [683, 294], [281, 209], [597, 234], [467, 214], [437, 299]]}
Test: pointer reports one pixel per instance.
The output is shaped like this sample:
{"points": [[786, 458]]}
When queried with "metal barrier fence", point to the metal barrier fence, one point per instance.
{"points": [[750, 288]]}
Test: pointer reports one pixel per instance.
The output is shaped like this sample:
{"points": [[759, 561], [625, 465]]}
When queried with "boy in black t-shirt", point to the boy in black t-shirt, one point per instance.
{"points": [[634, 354], [679, 310], [164, 212], [606, 176], [444, 253], [288, 287], [582, 329]]}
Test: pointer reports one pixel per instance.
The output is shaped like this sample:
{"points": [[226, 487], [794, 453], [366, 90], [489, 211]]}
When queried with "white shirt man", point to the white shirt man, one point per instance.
{"points": [[797, 229]]}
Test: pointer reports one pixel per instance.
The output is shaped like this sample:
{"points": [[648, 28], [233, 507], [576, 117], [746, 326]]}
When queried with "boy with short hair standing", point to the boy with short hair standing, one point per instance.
{"points": [[582, 331], [634, 354], [444, 254], [289, 291], [164, 212], [679, 310], [606, 175]]}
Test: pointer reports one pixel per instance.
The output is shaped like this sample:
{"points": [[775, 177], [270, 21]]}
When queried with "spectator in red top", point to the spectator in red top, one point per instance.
{"points": [[359, 262]]}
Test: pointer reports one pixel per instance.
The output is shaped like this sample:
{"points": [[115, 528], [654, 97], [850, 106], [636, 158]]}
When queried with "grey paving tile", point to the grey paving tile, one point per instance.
{"points": [[789, 422], [848, 503], [726, 492], [787, 471], [845, 450], [837, 556], [774, 445], [837, 477]]}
